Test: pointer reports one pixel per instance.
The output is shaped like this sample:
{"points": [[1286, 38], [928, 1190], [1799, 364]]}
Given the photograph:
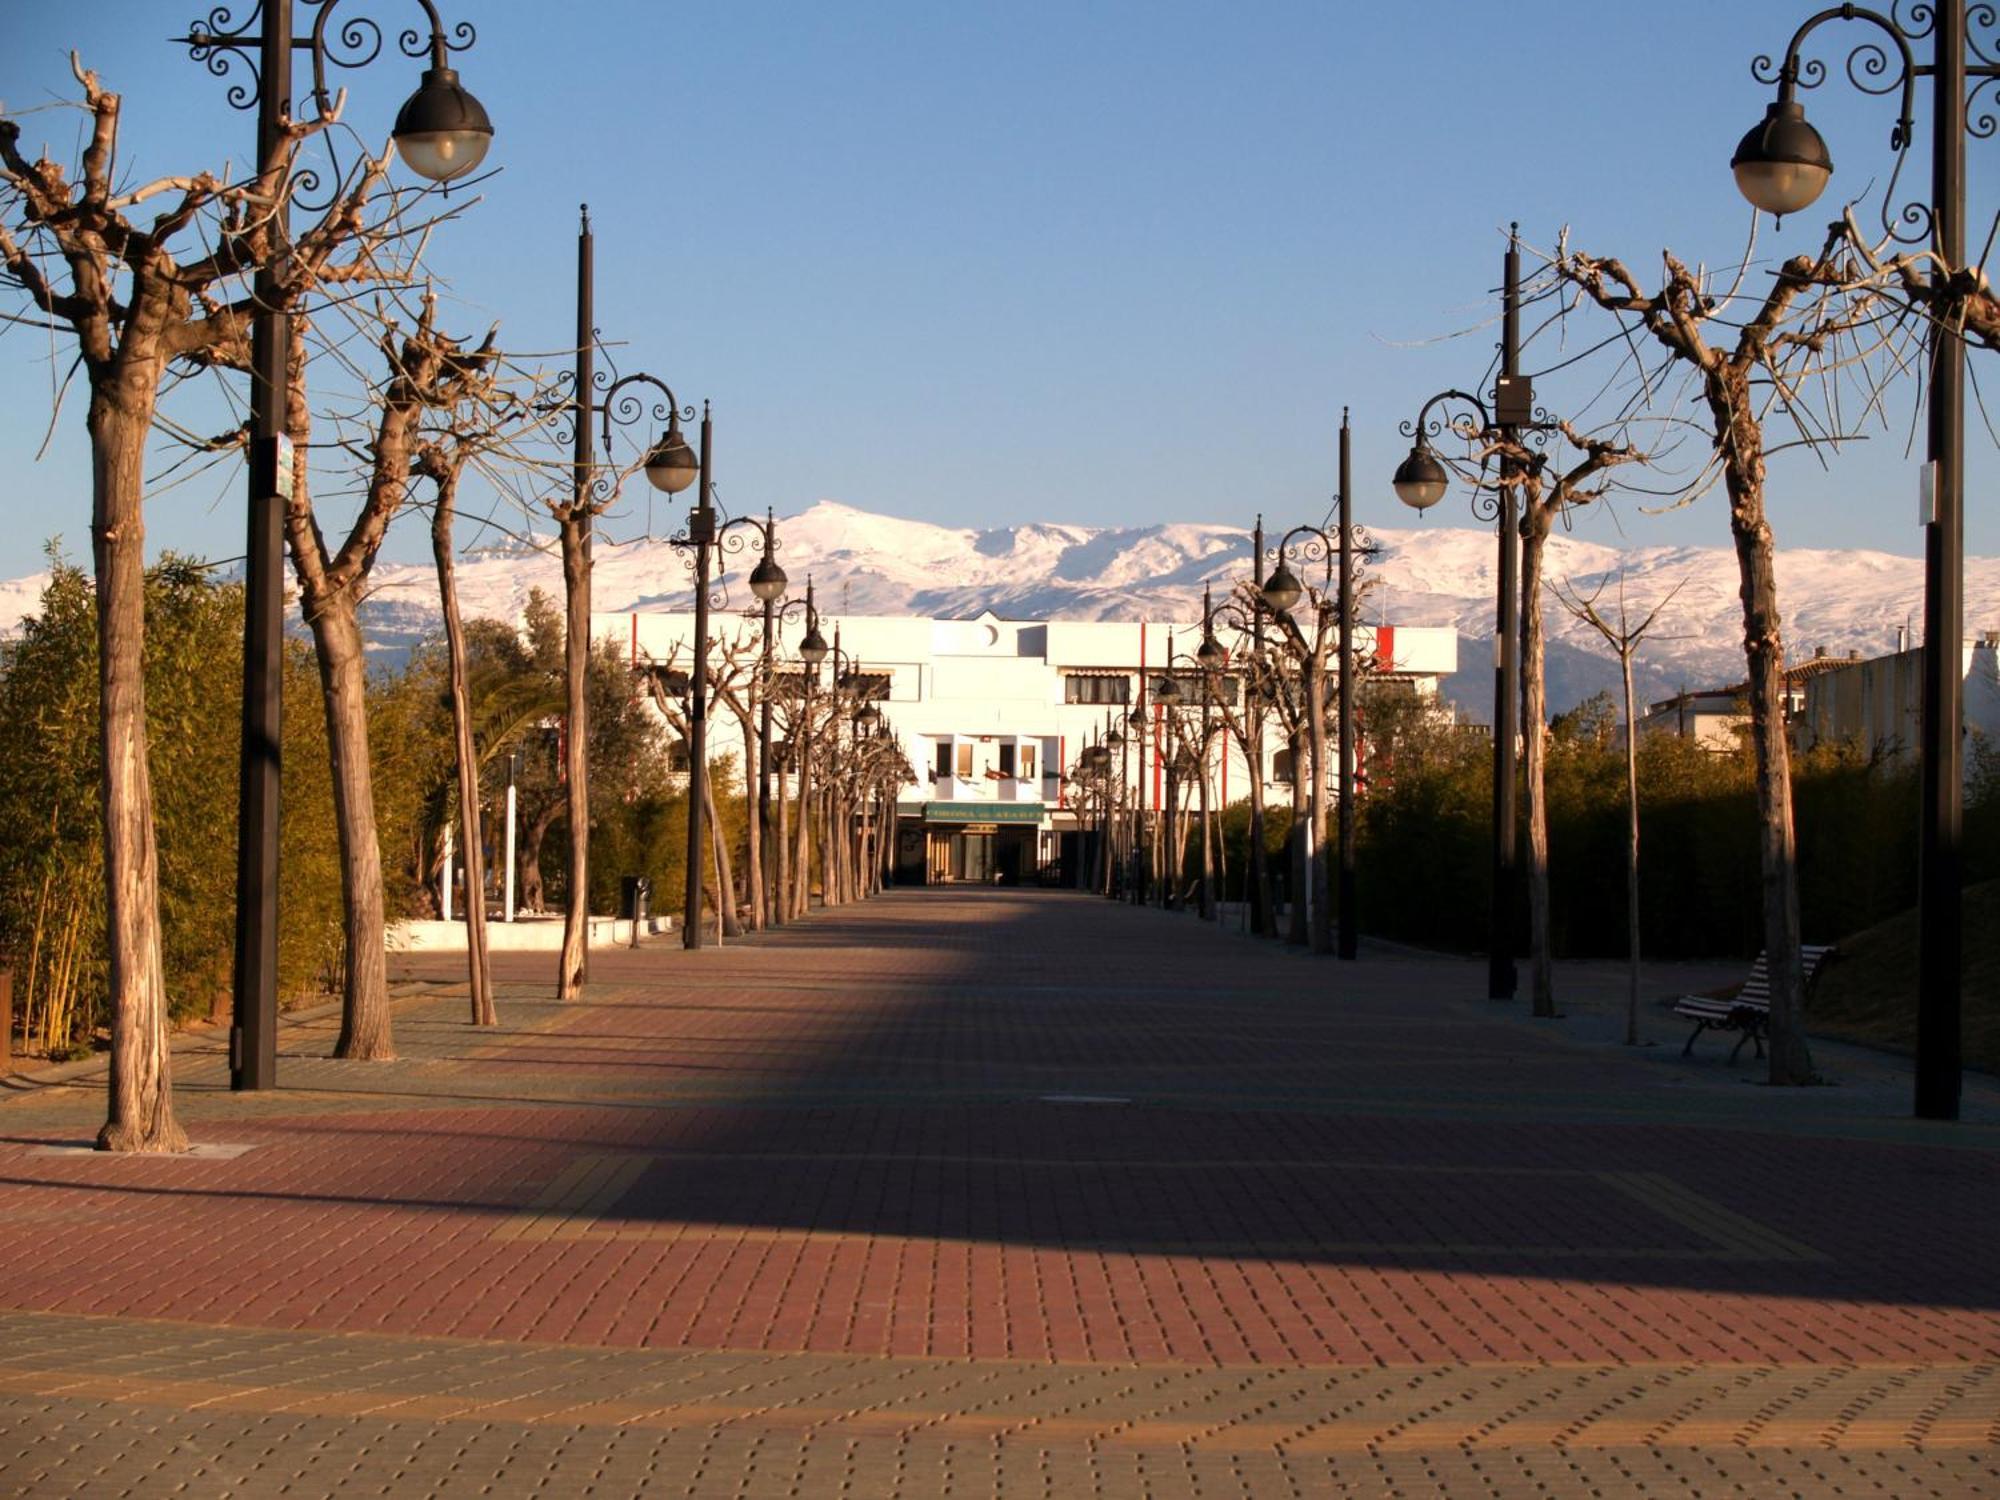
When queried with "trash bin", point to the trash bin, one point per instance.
{"points": [[635, 895]]}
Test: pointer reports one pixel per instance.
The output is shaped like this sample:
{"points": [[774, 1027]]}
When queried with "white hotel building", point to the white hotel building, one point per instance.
{"points": [[991, 712]]}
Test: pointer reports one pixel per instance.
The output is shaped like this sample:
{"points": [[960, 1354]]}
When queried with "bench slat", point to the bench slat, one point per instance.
{"points": [[1752, 1001]]}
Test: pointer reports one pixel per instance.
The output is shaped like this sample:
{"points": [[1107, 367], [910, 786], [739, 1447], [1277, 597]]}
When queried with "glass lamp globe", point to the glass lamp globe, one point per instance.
{"points": [[767, 579], [1420, 480], [1282, 589], [672, 466], [441, 130], [1781, 164]]}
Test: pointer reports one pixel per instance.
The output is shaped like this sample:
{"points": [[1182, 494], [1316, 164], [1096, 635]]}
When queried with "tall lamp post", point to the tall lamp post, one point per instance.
{"points": [[1135, 725], [1280, 595], [697, 538], [1169, 697], [812, 651], [1420, 482], [1782, 165], [670, 466], [775, 613], [1350, 915], [767, 585], [1212, 657], [442, 132]]}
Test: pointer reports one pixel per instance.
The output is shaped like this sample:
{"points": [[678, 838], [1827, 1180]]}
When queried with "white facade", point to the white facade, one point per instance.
{"points": [[991, 712], [1878, 703]]}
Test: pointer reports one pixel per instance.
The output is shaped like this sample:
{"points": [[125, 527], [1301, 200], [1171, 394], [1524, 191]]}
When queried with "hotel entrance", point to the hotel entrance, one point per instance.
{"points": [[968, 854], [974, 843]]}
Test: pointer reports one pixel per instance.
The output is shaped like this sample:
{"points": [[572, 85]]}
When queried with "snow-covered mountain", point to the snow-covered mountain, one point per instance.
{"points": [[864, 563]]}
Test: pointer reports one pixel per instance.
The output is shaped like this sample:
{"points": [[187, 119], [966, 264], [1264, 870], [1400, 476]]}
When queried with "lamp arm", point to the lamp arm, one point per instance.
{"points": [[1423, 429], [629, 408], [1794, 74]]}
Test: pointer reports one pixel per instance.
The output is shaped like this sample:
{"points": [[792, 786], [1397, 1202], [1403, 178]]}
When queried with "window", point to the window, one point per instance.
{"points": [[1226, 687], [1027, 762], [872, 686], [1112, 687], [943, 758], [965, 762], [1006, 760]]}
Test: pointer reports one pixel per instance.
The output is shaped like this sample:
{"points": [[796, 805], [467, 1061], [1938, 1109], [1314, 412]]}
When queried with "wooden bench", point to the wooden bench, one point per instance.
{"points": [[1749, 1009]]}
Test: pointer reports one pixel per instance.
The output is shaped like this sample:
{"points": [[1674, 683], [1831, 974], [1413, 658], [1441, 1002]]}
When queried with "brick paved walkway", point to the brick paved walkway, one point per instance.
{"points": [[1004, 1193]]}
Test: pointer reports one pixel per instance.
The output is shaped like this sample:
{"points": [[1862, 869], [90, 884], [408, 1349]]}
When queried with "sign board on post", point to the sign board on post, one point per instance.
{"points": [[983, 812]]}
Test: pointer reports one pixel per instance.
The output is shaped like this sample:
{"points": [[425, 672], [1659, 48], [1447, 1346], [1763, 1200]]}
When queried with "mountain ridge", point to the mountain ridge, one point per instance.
{"points": [[863, 562]]}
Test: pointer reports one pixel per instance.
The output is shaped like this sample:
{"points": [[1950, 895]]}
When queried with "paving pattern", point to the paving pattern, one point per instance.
{"points": [[1012, 1194]]}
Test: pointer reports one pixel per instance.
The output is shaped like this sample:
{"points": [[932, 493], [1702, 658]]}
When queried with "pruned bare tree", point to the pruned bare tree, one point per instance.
{"points": [[1824, 319], [481, 420], [138, 307], [1623, 638]]}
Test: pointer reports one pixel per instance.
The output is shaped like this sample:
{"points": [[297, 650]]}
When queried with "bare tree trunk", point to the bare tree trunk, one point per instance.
{"points": [[1535, 523], [753, 876], [141, 1111], [479, 970], [574, 971], [1296, 843], [364, 1019], [802, 866], [727, 922], [529, 858], [1764, 649], [1260, 863], [1322, 896], [781, 905], [1631, 851], [1207, 807]]}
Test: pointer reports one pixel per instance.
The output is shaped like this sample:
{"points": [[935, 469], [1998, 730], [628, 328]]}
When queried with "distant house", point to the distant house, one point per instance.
{"points": [[991, 713], [1718, 718], [1878, 703]]}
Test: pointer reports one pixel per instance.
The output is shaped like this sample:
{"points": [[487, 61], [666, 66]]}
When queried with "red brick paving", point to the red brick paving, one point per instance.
{"points": [[837, 1140]]}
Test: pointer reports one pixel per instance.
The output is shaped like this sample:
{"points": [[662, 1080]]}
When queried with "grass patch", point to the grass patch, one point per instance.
{"points": [[1868, 993]]}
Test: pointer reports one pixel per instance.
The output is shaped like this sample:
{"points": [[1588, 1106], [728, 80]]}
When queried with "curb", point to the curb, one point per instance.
{"points": [[24, 1081]]}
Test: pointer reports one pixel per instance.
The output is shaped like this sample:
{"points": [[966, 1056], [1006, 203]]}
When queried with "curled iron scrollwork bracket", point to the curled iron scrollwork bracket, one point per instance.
{"points": [[1872, 70], [1306, 545]]}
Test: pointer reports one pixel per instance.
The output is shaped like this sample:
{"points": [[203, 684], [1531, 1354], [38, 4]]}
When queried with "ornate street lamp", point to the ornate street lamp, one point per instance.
{"points": [[1781, 166], [442, 133], [767, 585], [1420, 482], [671, 466], [1280, 595]]}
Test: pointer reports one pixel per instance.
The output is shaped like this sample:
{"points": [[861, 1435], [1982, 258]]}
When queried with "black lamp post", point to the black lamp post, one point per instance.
{"points": [[1135, 723], [1212, 657], [1116, 778], [1346, 752], [812, 651], [776, 614], [1167, 694], [1781, 166], [670, 467], [1280, 595], [1420, 482], [442, 133], [767, 585]]}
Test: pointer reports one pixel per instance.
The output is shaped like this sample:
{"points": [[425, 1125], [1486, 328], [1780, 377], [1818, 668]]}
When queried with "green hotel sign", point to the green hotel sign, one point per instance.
{"points": [[983, 812]]}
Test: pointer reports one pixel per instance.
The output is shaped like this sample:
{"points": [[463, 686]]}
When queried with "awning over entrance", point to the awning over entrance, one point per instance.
{"points": [[983, 812]]}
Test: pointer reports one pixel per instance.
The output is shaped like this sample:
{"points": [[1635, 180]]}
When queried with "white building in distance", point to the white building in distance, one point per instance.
{"points": [[990, 713]]}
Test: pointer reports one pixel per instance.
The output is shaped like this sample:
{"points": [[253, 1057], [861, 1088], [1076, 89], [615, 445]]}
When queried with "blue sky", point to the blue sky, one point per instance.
{"points": [[1107, 263]]}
